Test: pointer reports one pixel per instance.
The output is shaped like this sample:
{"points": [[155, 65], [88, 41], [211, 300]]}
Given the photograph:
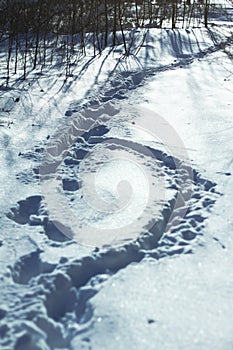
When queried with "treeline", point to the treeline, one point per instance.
{"points": [[42, 32]]}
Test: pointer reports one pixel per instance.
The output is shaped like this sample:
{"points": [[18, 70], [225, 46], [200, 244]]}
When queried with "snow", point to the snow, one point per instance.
{"points": [[97, 249], [181, 302]]}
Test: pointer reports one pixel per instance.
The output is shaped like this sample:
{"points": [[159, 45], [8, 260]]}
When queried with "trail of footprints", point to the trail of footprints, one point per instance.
{"points": [[53, 303], [59, 294]]}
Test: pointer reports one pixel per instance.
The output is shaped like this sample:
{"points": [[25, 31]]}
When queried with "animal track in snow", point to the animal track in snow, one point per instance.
{"points": [[178, 237], [69, 157], [61, 292], [54, 298]]}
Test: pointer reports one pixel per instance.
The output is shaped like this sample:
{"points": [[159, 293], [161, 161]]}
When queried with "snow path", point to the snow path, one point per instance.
{"points": [[50, 288]]}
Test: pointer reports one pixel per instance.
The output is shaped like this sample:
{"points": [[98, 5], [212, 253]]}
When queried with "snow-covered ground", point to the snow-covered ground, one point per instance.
{"points": [[116, 184]]}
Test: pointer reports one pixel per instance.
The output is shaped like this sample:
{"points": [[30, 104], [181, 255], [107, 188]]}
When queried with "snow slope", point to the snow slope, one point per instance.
{"points": [[184, 301], [151, 269]]}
